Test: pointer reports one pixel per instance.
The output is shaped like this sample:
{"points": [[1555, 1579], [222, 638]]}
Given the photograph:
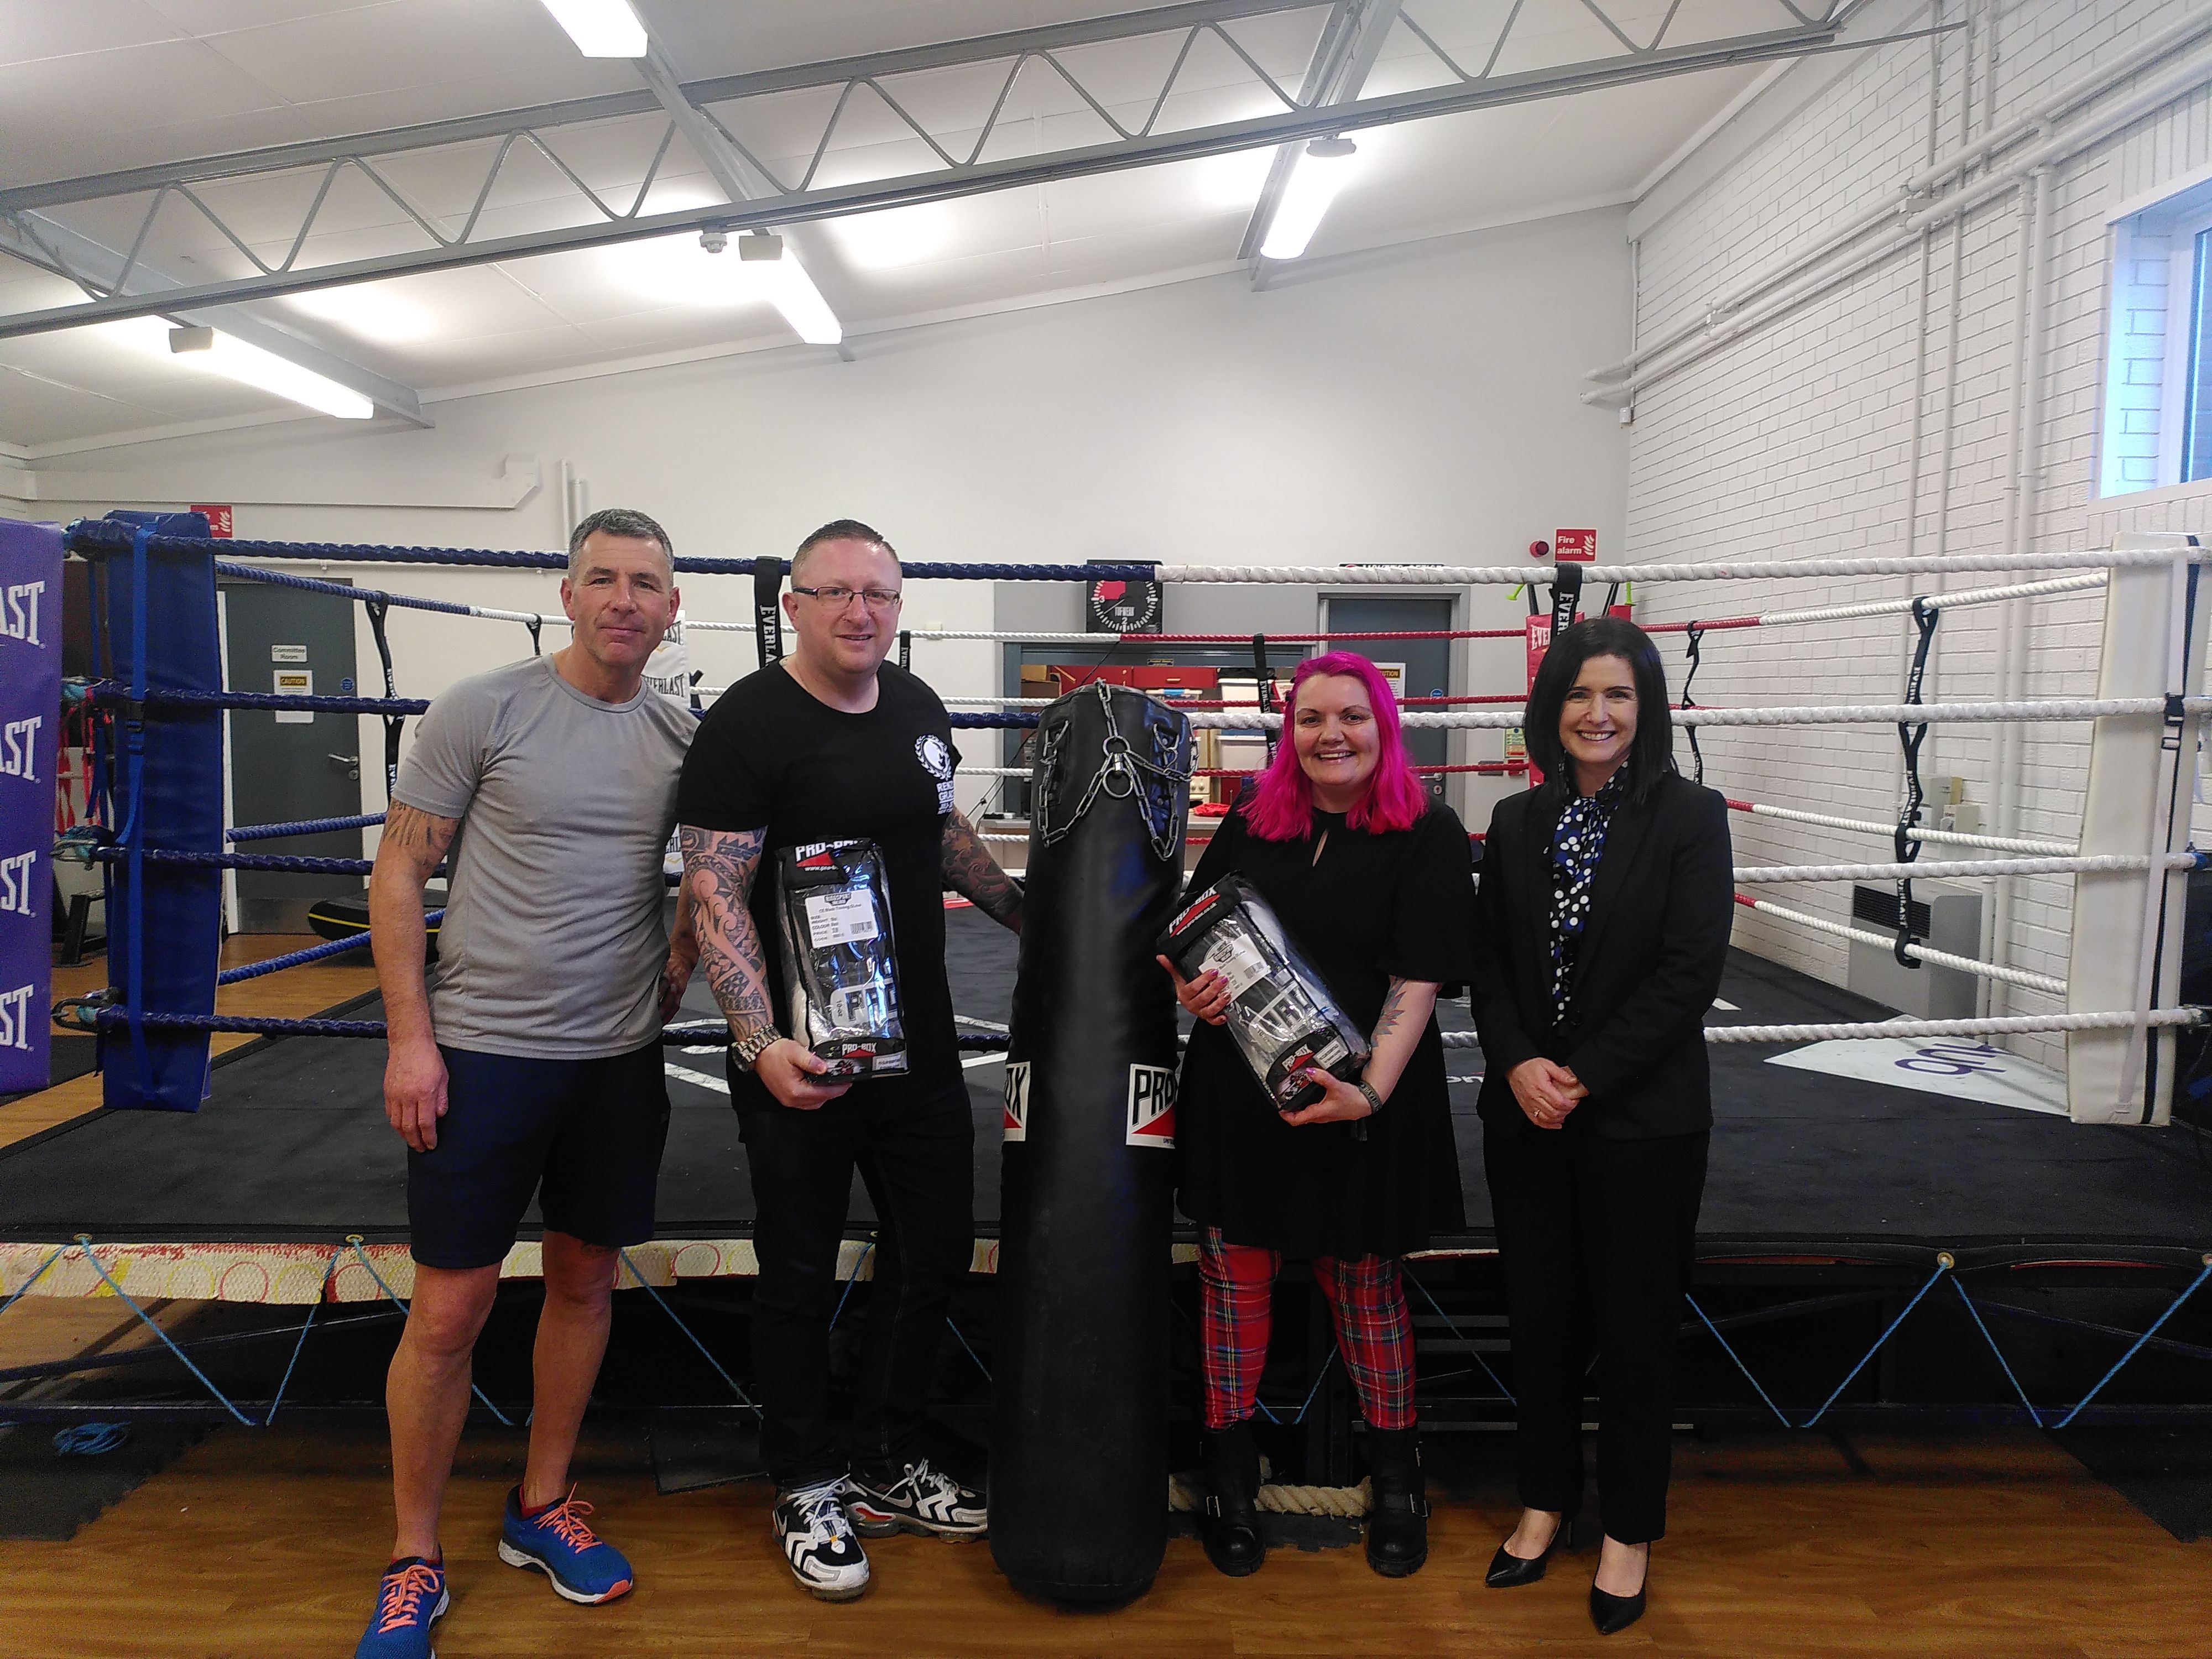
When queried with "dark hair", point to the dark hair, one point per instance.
{"points": [[1651, 755], [624, 521], [841, 530]]}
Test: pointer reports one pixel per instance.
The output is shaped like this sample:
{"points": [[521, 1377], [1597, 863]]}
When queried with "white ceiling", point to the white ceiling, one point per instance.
{"points": [[92, 86]]}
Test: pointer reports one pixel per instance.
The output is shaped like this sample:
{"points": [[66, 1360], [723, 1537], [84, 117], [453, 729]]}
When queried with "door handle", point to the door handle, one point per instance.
{"points": [[352, 763]]}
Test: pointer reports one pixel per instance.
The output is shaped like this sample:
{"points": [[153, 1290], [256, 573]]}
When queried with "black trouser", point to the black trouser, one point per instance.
{"points": [[1596, 1237], [915, 1151]]}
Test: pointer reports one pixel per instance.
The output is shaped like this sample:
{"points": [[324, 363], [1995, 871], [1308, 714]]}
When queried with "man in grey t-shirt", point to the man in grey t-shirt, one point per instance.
{"points": [[530, 1064]]}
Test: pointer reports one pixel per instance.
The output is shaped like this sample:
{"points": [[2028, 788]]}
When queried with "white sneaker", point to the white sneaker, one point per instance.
{"points": [[906, 1497], [819, 1544]]}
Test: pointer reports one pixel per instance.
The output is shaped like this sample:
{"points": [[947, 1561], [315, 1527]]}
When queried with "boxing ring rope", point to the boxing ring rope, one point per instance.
{"points": [[2038, 858], [1934, 837], [1928, 954]]}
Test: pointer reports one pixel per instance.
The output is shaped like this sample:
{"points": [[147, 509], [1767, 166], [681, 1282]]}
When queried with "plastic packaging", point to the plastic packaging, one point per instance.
{"points": [[841, 973], [1280, 1012]]}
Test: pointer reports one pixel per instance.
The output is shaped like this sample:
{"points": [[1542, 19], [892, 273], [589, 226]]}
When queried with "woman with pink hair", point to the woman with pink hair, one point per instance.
{"points": [[1375, 883]]}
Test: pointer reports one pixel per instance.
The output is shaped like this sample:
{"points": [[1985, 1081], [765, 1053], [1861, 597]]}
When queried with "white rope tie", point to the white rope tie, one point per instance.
{"points": [[1934, 958]]}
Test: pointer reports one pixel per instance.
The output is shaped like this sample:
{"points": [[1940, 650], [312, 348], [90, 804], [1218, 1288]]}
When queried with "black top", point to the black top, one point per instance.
{"points": [[1654, 941], [771, 755], [1368, 908]]}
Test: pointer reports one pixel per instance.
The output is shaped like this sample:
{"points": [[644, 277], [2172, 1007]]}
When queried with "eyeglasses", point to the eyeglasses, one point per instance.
{"points": [[837, 597]]}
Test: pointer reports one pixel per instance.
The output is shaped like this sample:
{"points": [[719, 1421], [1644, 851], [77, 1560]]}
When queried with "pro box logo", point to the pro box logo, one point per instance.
{"points": [[1151, 1106], [1016, 1122]]}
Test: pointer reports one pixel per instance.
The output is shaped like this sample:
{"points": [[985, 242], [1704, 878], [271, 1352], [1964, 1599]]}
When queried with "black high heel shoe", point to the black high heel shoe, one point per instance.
{"points": [[1612, 1614], [1510, 1572]]}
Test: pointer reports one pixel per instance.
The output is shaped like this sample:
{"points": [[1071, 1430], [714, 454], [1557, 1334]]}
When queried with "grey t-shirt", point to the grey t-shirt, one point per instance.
{"points": [[553, 940]]}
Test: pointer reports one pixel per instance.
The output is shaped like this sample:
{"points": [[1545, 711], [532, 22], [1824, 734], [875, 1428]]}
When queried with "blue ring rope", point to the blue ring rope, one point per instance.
{"points": [[301, 827], [95, 536], [337, 947]]}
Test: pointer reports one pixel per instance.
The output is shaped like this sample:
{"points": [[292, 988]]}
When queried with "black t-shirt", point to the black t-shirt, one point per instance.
{"points": [[1368, 906], [769, 755]]}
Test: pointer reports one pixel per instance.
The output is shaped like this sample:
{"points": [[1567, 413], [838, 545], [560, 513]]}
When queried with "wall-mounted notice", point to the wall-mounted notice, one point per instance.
{"points": [[30, 713]]}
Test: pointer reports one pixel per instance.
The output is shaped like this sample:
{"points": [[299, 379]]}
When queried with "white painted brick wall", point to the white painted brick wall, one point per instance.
{"points": [[1797, 440]]}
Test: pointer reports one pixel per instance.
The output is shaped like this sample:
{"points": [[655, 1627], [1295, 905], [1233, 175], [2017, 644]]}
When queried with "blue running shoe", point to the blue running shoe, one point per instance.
{"points": [[583, 1566], [411, 1599]]}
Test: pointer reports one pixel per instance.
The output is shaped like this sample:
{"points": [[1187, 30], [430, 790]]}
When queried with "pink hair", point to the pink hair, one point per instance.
{"points": [[1280, 807]]}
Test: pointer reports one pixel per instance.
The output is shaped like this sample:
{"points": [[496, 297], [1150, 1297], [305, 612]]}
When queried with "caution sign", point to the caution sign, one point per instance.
{"points": [[1016, 1122], [1151, 1106]]}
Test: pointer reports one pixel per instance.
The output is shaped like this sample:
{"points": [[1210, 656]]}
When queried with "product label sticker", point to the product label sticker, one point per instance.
{"points": [[1152, 1105], [1225, 956], [1017, 1120], [847, 916]]}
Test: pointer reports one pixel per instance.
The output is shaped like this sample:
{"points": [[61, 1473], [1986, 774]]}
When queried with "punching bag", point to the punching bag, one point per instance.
{"points": [[1079, 1425]]}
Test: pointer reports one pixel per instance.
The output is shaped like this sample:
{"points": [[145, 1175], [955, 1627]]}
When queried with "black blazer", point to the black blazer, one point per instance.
{"points": [[1649, 966]]}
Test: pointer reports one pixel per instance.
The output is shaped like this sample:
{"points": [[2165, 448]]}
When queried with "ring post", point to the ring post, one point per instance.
{"points": [[164, 917], [30, 751], [2127, 933]]}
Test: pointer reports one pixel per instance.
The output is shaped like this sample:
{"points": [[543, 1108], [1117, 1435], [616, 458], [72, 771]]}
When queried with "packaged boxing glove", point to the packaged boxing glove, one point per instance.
{"points": [[1280, 1012], [841, 975]]}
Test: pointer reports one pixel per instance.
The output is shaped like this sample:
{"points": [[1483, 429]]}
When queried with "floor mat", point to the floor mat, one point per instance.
{"points": [[2167, 1472], [44, 1495]]}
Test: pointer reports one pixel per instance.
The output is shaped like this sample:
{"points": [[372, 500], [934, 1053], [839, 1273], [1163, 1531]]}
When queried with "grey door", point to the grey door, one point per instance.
{"points": [[287, 766], [1427, 663]]}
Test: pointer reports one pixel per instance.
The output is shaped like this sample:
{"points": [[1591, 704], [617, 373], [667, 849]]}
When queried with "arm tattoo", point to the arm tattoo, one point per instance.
{"points": [[1393, 1010], [969, 870], [719, 868], [419, 838]]}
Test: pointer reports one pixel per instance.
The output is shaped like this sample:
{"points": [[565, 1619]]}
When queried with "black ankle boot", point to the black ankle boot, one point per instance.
{"points": [[1229, 1525], [1398, 1518]]}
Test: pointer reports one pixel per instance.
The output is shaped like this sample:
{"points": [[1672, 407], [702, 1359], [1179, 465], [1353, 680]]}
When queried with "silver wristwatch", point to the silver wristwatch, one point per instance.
{"points": [[747, 1050]]}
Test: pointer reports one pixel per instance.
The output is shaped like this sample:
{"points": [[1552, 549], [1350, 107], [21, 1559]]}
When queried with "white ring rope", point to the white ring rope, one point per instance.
{"points": [[2000, 1025], [1997, 1025], [1935, 601], [1934, 958], [1941, 869], [1942, 837], [1398, 576]]}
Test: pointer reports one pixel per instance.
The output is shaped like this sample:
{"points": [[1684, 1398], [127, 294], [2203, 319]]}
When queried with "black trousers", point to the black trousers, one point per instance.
{"points": [[1596, 1237], [915, 1148]]}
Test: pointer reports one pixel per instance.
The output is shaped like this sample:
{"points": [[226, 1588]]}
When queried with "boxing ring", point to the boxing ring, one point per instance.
{"points": [[1887, 1229]]}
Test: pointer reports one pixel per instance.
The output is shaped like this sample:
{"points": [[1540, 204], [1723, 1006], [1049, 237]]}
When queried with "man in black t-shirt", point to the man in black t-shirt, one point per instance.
{"points": [[834, 744]]}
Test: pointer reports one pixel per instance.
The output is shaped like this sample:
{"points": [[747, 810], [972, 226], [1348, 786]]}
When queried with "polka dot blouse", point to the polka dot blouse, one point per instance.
{"points": [[1577, 845]]}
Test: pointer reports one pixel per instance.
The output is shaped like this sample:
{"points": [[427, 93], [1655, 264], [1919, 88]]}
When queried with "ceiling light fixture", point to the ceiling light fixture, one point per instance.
{"points": [[222, 354], [600, 28], [1321, 170], [779, 275]]}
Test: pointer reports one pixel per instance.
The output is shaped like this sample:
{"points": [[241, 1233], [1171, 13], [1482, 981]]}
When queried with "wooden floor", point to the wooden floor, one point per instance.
{"points": [[1989, 1545], [1992, 1546]]}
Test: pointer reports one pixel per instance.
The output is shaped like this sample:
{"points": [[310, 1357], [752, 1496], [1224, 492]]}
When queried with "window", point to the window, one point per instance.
{"points": [[2158, 379]]}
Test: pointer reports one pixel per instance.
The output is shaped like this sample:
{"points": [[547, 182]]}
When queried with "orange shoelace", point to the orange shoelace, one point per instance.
{"points": [[403, 1593], [567, 1520]]}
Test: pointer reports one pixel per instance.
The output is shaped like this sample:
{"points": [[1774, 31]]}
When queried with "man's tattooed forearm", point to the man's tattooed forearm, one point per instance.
{"points": [[971, 871], [719, 868]]}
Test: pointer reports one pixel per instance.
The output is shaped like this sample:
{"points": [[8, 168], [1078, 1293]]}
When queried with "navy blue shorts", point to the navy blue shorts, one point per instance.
{"points": [[583, 1136]]}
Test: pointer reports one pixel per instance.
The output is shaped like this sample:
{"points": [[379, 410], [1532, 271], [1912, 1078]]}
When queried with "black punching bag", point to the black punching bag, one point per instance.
{"points": [[1079, 1425]]}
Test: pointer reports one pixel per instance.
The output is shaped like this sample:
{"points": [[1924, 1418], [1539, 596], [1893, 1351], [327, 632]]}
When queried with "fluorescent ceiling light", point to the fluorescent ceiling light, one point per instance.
{"points": [[789, 288], [220, 353], [1320, 173], [600, 28], [894, 237], [370, 311]]}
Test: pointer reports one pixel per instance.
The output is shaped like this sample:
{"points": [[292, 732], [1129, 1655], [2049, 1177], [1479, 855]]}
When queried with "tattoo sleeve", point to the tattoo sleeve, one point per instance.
{"points": [[971, 871], [409, 850], [719, 869]]}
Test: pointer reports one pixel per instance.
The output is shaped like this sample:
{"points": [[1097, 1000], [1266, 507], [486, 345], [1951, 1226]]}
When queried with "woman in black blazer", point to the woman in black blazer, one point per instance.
{"points": [[1603, 919]]}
